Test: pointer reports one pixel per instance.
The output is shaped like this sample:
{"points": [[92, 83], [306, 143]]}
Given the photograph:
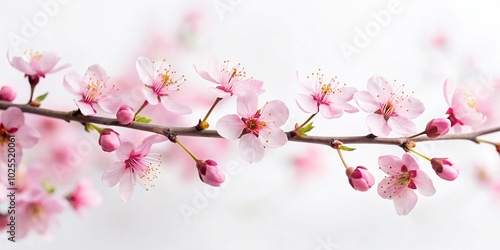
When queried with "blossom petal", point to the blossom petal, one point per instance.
{"points": [[389, 189], [175, 107], [274, 113], [405, 202], [410, 108], [12, 117], [95, 73], [390, 164], [424, 183], [410, 162], [146, 144], [307, 84], [126, 186], [113, 173], [248, 85], [448, 92], [273, 138], [124, 150], [145, 70], [47, 62], [214, 70], [73, 83], [204, 74], [109, 104], [379, 88], [330, 111], [230, 127], [150, 95], [366, 101], [85, 108], [219, 92], [251, 149], [402, 125], [20, 64], [307, 103], [28, 136], [247, 104], [377, 125]]}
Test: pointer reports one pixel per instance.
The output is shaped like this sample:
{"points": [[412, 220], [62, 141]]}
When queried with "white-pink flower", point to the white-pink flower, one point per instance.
{"points": [[36, 210], [463, 107], [403, 177], [160, 84], [84, 196], [231, 81], [260, 127], [391, 108], [92, 89], [134, 165], [36, 64], [14, 131], [326, 97]]}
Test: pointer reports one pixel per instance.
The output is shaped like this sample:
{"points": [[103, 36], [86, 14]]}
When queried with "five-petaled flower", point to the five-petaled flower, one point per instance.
{"points": [[36, 64], [160, 84], [392, 109], [84, 196], [404, 176], [12, 124], [93, 89], [463, 107], [134, 165], [258, 128], [231, 81], [326, 97]]}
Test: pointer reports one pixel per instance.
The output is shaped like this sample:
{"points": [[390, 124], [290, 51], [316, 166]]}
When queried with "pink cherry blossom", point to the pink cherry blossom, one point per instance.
{"points": [[160, 84], [391, 108], [36, 210], [134, 165], [360, 178], [93, 89], [12, 124], [404, 176], [463, 109], [7, 93], [445, 169], [260, 128], [326, 97], [231, 81], [210, 173], [36, 64], [437, 127], [84, 196]]}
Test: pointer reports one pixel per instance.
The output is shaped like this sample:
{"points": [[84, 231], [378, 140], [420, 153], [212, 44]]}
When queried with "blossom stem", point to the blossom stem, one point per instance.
{"points": [[32, 92], [141, 108], [187, 150], [342, 158], [308, 120], [416, 135], [486, 141], [419, 154], [211, 109]]}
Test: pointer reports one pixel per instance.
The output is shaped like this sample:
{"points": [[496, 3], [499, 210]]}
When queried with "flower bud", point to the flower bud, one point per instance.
{"points": [[125, 114], [360, 178], [445, 169], [7, 94], [109, 140], [437, 127], [210, 173]]}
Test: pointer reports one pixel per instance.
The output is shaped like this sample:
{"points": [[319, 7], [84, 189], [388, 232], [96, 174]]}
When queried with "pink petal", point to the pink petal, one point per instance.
{"points": [[126, 186], [274, 113], [402, 125], [12, 117], [307, 103], [366, 101], [448, 92], [109, 104], [307, 84], [95, 72], [251, 149], [230, 127], [247, 105], [146, 144], [52, 205], [273, 138], [73, 83], [379, 88], [410, 108], [410, 162], [85, 108], [47, 62], [424, 184], [20, 64], [113, 173], [389, 189], [390, 164], [28, 136], [175, 107], [124, 150], [146, 70], [204, 74], [248, 85], [150, 95], [214, 70], [377, 125], [347, 107], [219, 92], [330, 111], [405, 202]]}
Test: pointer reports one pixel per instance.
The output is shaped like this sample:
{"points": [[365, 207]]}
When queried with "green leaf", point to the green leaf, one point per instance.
{"points": [[346, 148], [307, 128], [41, 97], [143, 119]]}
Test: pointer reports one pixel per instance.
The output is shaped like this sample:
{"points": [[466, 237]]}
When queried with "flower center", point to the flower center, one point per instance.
{"points": [[405, 178], [470, 101], [166, 80], [35, 210], [253, 125], [5, 134], [34, 55]]}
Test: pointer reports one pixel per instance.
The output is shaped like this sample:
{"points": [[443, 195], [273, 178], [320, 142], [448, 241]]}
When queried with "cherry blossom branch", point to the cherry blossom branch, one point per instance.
{"points": [[192, 131]]}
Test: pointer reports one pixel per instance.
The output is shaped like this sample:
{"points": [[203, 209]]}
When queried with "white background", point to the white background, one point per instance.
{"points": [[266, 205]]}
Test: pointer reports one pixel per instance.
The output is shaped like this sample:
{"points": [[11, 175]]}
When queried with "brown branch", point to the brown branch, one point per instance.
{"points": [[191, 131]]}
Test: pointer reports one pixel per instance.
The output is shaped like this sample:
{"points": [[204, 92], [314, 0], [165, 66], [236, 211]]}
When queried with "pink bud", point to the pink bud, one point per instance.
{"points": [[7, 94], [445, 169], [125, 114], [210, 173], [360, 178], [109, 140], [437, 127]]}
